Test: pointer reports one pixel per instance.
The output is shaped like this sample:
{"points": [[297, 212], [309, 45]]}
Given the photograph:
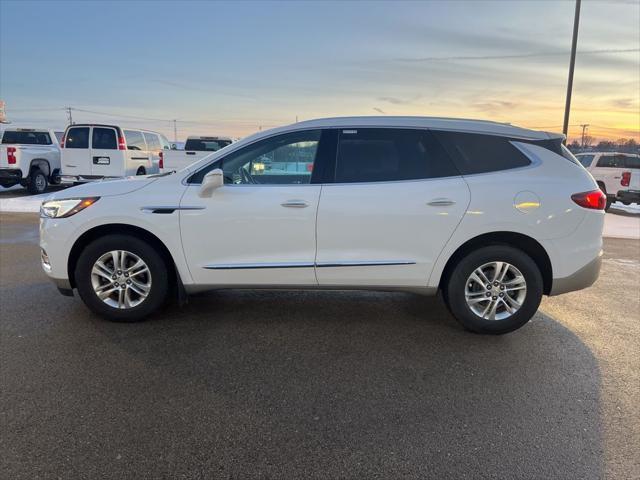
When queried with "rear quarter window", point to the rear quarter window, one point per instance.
{"points": [[479, 153]]}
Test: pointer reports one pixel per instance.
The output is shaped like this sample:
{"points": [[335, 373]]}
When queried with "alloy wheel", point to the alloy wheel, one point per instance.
{"points": [[121, 279], [495, 290]]}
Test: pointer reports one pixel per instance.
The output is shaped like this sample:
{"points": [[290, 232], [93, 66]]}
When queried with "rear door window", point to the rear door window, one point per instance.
{"points": [[611, 161], [77, 137], [135, 140], [153, 142], [479, 153], [388, 154], [104, 139]]}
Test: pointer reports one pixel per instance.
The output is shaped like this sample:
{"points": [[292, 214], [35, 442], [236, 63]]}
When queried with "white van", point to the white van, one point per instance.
{"points": [[92, 152]]}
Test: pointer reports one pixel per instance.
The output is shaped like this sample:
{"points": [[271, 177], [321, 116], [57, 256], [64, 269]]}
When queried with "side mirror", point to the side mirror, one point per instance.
{"points": [[212, 180]]}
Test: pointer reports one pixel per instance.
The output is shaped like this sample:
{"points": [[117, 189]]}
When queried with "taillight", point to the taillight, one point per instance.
{"points": [[62, 142], [626, 179], [595, 200], [11, 155], [161, 162], [121, 144]]}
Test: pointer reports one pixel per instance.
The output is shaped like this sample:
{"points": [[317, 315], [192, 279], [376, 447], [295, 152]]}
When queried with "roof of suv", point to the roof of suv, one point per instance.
{"points": [[439, 123]]}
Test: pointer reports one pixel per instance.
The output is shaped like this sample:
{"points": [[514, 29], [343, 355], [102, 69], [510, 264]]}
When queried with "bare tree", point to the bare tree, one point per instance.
{"points": [[588, 140]]}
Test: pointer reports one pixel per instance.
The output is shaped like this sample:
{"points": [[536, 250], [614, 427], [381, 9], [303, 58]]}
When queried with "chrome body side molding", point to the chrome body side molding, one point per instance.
{"points": [[237, 266], [369, 263]]}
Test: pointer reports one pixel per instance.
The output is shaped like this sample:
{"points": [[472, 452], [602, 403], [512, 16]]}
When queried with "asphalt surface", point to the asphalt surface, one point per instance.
{"points": [[245, 384]]}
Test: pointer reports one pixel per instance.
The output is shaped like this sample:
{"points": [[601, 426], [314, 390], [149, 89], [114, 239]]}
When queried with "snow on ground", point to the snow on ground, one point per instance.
{"points": [[622, 221], [16, 199]]}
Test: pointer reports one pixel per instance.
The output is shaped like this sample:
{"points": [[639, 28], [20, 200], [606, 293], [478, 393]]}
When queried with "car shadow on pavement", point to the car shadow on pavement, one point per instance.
{"points": [[338, 384]]}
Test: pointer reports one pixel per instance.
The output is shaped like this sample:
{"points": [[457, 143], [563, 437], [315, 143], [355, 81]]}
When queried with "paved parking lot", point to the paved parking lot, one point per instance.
{"points": [[245, 384]]}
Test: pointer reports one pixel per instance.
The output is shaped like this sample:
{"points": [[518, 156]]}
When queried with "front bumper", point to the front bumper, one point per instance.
{"points": [[55, 247], [629, 196], [583, 278], [10, 176]]}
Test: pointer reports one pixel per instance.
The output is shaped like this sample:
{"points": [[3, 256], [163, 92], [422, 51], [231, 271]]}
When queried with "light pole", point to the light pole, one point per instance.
{"points": [[572, 62]]}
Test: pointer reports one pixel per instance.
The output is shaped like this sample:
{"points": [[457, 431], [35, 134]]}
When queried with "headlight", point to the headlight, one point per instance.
{"points": [[65, 208]]}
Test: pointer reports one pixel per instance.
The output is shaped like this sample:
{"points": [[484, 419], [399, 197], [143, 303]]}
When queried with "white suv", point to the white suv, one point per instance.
{"points": [[491, 215]]}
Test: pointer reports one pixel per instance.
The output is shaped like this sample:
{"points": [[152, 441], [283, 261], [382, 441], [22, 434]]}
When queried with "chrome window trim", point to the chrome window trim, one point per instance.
{"points": [[514, 138]]}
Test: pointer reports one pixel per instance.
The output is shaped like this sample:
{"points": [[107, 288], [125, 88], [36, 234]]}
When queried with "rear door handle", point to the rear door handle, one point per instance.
{"points": [[441, 202], [295, 204]]}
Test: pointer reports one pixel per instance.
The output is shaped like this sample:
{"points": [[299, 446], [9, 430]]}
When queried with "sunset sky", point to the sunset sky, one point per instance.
{"points": [[231, 68]]}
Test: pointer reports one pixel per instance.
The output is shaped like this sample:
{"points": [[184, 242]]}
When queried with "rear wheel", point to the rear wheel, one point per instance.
{"points": [[141, 171], [495, 289], [122, 278], [37, 183]]}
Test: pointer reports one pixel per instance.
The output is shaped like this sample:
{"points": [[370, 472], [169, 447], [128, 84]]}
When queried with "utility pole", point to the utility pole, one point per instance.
{"points": [[584, 127], [572, 63], [175, 131], [69, 115]]}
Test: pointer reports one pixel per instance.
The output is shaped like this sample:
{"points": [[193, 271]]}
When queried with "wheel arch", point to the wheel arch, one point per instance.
{"points": [[528, 245], [122, 229], [40, 163]]}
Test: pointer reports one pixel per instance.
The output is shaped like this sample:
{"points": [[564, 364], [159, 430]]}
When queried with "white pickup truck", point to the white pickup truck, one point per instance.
{"points": [[194, 149], [29, 157], [617, 174]]}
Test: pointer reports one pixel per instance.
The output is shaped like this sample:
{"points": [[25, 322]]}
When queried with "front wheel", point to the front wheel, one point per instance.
{"points": [[122, 278], [495, 290]]}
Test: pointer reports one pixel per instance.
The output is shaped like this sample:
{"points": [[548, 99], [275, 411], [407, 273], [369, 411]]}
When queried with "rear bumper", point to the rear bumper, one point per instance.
{"points": [[629, 196], [583, 278], [10, 176]]}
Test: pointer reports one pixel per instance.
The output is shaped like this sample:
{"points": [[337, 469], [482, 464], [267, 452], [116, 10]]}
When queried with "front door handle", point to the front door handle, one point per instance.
{"points": [[295, 204], [441, 202]]}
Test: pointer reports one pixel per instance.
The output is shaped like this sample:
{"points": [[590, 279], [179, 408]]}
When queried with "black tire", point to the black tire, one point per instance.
{"points": [[454, 293], [37, 183], [607, 206], [158, 268], [609, 198]]}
